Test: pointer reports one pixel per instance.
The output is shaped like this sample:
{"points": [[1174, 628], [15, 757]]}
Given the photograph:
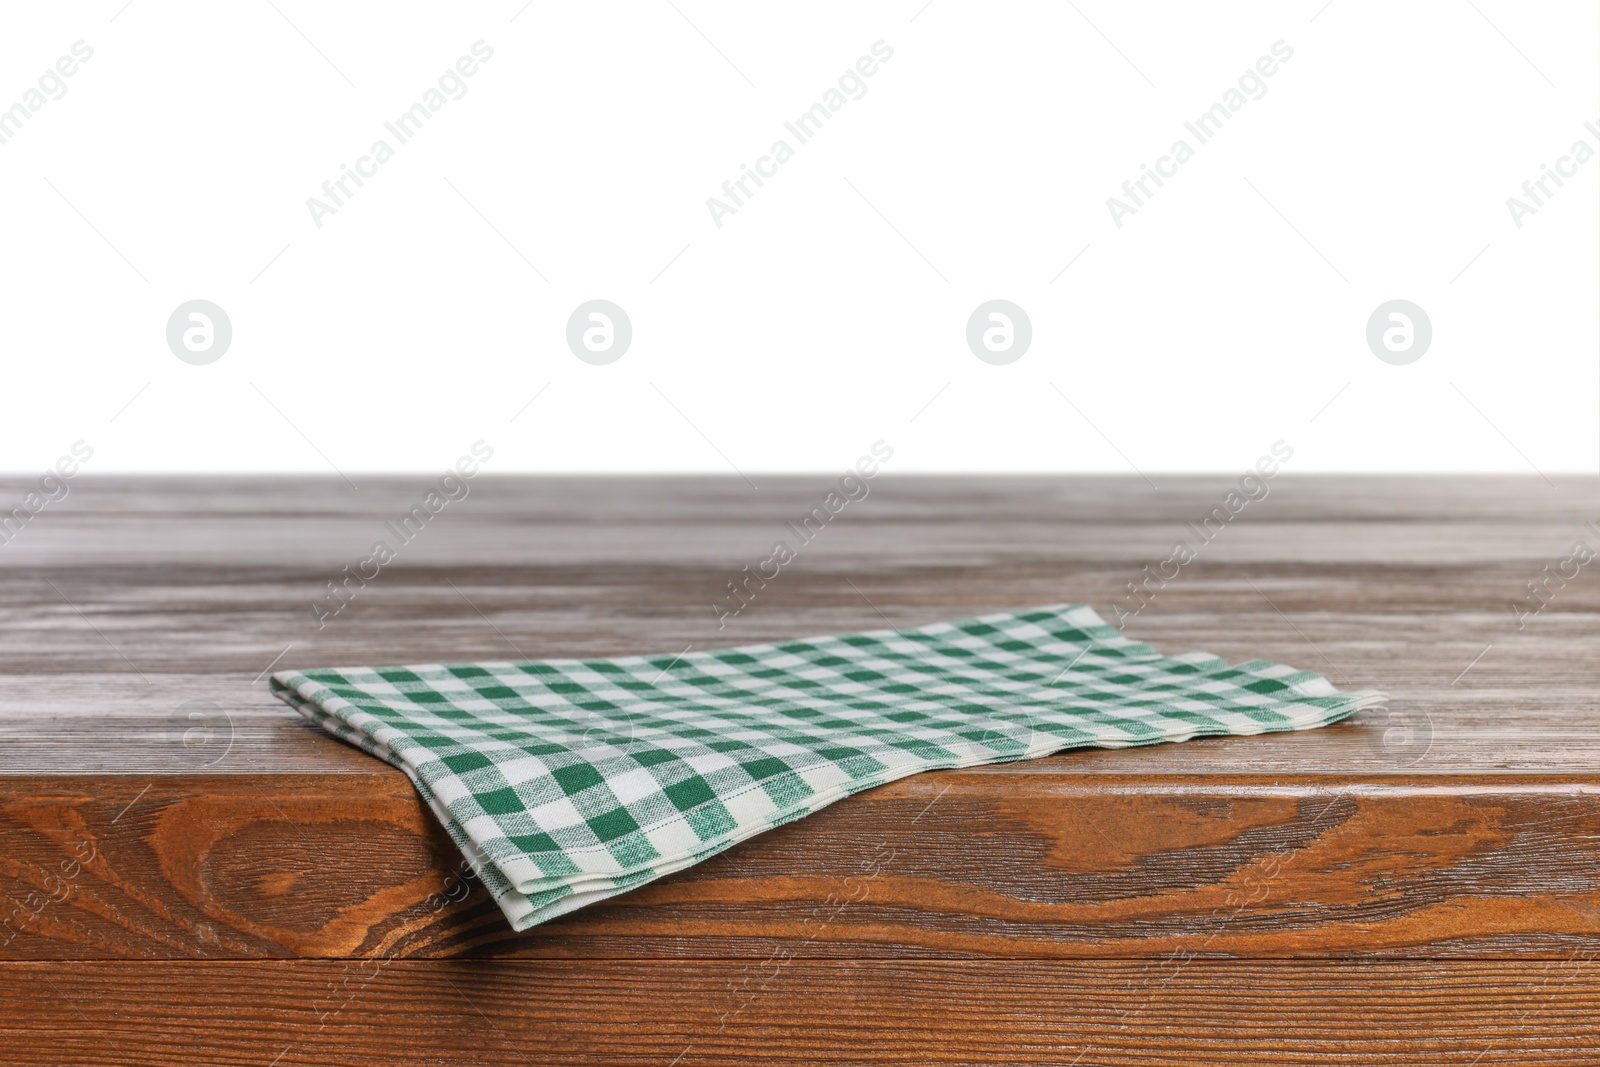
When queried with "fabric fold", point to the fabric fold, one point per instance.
{"points": [[567, 781]]}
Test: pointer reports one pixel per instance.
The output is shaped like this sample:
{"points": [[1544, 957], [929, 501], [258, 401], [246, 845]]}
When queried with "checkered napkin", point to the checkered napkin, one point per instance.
{"points": [[567, 781]]}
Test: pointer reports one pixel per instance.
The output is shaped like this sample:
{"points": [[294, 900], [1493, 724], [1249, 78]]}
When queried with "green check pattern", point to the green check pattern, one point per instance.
{"points": [[568, 781]]}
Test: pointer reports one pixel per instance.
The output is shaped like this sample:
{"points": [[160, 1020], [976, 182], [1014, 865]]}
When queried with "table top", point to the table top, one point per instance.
{"points": [[142, 615]]}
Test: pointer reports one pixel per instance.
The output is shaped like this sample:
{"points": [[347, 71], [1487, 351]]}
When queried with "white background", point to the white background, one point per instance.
{"points": [[830, 310]]}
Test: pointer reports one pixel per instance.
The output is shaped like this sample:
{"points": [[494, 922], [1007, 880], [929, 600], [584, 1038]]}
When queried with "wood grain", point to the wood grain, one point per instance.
{"points": [[139, 614], [1186, 1012], [942, 864]]}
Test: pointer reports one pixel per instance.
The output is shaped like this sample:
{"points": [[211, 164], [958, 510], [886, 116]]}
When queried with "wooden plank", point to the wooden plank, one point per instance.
{"points": [[704, 1013], [941, 864], [135, 604]]}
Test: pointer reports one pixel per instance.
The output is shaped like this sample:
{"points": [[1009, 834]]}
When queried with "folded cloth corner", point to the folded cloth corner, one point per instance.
{"points": [[567, 781]]}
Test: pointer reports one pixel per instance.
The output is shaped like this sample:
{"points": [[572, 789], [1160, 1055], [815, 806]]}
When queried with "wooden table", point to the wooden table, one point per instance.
{"points": [[192, 875]]}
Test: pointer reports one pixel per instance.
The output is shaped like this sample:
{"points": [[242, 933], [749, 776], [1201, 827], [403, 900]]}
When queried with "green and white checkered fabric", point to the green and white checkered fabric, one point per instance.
{"points": [[567, 781]]}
